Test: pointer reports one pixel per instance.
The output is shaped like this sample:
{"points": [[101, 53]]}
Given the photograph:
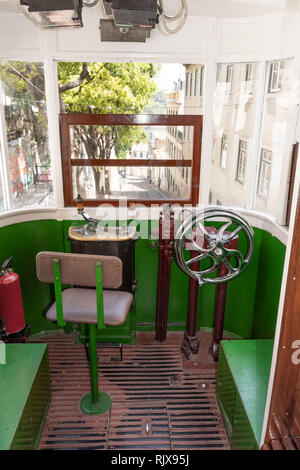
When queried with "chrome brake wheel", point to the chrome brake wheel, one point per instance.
{"points": [[193, 236]]}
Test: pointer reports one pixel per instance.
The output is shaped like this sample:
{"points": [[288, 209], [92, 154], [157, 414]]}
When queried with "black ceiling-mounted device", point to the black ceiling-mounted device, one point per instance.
{"points": [[109, 33], [54, 13], [134, 13], [132, 20]]}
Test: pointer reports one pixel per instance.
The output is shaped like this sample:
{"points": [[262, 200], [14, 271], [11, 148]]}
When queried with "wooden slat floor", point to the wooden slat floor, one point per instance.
{"points": [[159, 399]]}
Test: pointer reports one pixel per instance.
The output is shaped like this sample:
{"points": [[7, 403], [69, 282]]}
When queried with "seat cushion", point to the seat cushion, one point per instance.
{"points": [[80, 306]]}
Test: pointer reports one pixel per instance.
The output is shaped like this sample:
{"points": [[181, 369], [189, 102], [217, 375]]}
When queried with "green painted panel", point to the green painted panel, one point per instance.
{"points": [[226, 391], [269, 277], [249, 362], [242, 436], [25, 395], [252, 300]]}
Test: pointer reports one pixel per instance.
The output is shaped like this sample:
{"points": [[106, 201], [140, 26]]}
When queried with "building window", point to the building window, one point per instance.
{"points": [[219, 73], [229, 73], [242, 161], [196, 81], [249, 76], [191, 84], [223, 156], [276, 69], [201, 80], [186, 83], [264, 173]]}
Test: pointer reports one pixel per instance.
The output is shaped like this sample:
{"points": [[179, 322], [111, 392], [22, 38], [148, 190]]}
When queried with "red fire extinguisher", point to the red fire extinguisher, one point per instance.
{"points": [[14, 328]]}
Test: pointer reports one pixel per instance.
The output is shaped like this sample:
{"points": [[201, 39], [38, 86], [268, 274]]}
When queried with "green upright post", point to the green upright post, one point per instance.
{"points": [[93, 363], [58, 293], [95, 402]]}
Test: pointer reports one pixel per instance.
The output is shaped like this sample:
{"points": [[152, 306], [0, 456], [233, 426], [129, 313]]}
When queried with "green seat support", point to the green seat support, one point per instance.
{"points": [[94, 402]]}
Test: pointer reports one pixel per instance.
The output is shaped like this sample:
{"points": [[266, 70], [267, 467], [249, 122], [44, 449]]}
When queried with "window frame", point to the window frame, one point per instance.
{"points": [[72, 119]]}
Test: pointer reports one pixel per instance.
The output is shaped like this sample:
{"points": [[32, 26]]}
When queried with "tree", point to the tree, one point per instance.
{"points": [[106, 88]]}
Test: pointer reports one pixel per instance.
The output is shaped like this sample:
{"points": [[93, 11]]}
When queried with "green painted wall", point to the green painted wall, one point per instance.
{"points": [[252, 299], [270, 266]]}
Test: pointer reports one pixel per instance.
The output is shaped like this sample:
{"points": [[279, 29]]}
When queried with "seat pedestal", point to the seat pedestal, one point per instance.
{"points": [[95, 402]]}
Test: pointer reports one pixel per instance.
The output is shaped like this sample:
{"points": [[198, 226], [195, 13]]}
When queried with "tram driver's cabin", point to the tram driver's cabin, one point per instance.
{"points": [[149, 225]]}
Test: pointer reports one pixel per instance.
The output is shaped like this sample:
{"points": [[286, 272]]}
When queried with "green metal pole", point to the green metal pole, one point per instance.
{"points": [[93, 363]]}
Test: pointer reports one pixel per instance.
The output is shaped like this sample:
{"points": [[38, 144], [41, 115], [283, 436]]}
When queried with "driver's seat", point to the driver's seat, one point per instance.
{"points": [[82, 303]]}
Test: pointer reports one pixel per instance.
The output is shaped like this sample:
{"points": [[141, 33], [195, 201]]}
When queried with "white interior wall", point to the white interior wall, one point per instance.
{"points": [[206, 40], [236, 39]]}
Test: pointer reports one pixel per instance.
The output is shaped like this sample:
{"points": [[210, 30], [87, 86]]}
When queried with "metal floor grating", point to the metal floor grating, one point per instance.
{"points": [[159, 400]]}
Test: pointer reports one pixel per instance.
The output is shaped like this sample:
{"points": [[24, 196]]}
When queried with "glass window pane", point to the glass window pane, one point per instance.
{"points": [[23, 89], [274, 128], [234, 122], [127, 142], [140, 183], [2, 201]]}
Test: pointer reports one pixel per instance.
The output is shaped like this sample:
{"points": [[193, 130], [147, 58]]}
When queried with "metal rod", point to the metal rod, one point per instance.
{"points": [[99, 295], [58, 293], [93, 363]]}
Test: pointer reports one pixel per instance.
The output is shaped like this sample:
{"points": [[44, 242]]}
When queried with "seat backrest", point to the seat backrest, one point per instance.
{"points": [[79, 270]]}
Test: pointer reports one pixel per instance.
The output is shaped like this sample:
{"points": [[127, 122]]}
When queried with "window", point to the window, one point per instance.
{"points": [[249, 76], [274, 132], [229, 74], [275, 76], [191, 83], [237, 119], [23, 96], [196, 81], [223, 156], [264, 173], [249, 72], [186, 83], [219, 73], [108, 171], [201, 80], [242, 160]]}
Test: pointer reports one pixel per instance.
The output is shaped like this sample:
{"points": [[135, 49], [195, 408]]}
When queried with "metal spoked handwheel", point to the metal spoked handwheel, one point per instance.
{"points": [[209, 248]]}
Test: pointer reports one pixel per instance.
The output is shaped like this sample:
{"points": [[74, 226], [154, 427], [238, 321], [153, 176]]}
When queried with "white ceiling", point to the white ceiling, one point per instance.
{"points": [[215, 8]]}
